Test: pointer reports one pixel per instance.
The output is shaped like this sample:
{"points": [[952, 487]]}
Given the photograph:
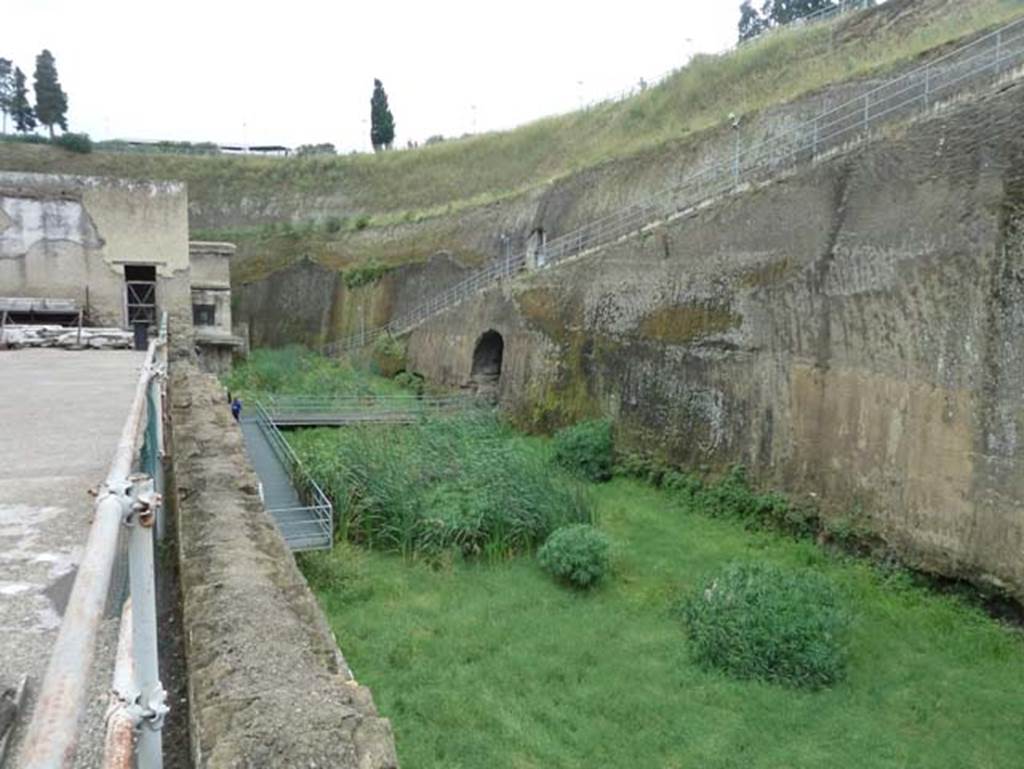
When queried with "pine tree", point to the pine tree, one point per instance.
{"points": [[775, 13], [751, 23], [21, 110], [6, 89], [382, 122], [51, 101]]}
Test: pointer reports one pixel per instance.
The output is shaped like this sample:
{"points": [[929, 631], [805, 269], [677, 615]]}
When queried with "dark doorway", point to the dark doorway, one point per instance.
{"points": [[140, 294], [487, 355]]}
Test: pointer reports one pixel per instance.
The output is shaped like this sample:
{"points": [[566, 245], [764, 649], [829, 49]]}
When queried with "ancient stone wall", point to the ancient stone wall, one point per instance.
{"points": [[267, 684], [70, 237], [851, 330]]}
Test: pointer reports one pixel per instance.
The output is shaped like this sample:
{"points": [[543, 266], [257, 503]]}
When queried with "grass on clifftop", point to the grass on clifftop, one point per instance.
{"points": [[493, 664], [435, 180]]}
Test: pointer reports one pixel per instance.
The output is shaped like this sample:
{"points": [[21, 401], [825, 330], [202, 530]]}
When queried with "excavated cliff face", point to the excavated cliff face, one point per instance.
{"points": [[855, 330]]}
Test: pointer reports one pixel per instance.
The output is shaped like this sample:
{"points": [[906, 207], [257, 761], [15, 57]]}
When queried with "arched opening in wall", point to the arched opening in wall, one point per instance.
{"points": [[535, 254], [487, 356]]}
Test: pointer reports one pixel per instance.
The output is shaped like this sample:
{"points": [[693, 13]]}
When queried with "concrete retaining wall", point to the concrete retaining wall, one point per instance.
{"points": [[267, 684]]}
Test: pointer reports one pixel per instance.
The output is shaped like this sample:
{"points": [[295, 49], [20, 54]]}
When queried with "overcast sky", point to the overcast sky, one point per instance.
{"points": [[302, 71]]}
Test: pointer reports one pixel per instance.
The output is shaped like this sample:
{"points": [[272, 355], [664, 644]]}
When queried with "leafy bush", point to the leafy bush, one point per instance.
{"points": [[387, 356], [410, 380], [463, 483], [763, 622], [683, 484], [732, 497], [365, 274], [586, 449], [576, 554], [333, 224], [73, 142], [647, 468], [362, 222], [308, 150]]}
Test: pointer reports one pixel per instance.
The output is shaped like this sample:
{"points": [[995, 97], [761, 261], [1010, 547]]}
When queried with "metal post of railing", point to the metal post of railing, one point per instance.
{"points": [[736, 155], [145, 658], [118, 744]]}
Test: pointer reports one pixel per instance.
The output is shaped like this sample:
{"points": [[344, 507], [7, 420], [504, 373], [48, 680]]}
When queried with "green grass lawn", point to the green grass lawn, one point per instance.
{"points": [[485, 665]]}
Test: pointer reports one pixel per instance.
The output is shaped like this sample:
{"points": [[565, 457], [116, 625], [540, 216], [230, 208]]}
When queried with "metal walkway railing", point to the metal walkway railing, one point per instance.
{"points": [[340, 410], [985, 59], [299, 507], [129, 500]]}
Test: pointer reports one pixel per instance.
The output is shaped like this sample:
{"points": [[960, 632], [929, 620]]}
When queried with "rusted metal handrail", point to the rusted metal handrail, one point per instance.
{"points": [[123, 499]]}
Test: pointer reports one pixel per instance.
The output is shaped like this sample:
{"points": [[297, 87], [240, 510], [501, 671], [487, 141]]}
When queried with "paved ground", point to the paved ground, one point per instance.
{"points": [[61, 414]]}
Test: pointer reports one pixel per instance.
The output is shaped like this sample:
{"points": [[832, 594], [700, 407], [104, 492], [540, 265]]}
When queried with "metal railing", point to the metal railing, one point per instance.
{"points": [[131, 498], [299, 410], [986, 58], [315, 519]]}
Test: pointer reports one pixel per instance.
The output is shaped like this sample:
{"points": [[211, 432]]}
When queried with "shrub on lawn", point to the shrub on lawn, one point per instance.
{"points": [[576, 554], [763, 622], [586, 449]]}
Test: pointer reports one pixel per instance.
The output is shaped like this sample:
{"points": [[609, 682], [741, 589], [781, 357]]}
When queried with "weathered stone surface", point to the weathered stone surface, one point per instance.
{"points": [[268, 686], [850, 330]]}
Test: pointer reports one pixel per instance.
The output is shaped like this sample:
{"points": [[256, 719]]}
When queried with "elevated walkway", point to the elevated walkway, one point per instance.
{"points": [[298, 505], [306, 519], [340, 411]]}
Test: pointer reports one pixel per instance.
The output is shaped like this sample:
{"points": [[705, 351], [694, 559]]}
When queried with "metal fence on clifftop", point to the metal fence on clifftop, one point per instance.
{"points": [[984, 59]]}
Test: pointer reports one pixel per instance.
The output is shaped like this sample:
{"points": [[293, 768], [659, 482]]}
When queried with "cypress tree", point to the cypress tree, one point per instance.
{"points": [[6, 89], [751, 23], [21, 110], [51, 101], [382, 122]]}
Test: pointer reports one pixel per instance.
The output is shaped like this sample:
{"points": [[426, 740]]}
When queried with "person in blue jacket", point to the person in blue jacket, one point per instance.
{"points": [[236, 409]]}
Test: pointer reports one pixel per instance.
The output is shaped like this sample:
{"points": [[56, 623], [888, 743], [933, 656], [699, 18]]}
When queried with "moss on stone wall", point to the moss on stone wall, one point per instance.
{"points": [[679, 324], [769, 274], [552, 313]]}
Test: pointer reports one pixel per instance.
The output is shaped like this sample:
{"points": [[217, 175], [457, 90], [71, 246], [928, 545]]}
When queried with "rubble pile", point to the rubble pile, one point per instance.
{"points": [[15, 336]]}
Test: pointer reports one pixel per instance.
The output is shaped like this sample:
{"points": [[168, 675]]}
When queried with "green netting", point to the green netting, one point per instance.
{"points": [[149, 455]]}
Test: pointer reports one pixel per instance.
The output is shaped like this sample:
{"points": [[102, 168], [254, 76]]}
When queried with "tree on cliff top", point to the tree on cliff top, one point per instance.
{"points": [[21, 110], [51, 101], [382, 122], [6, 89], [775, 13]]}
